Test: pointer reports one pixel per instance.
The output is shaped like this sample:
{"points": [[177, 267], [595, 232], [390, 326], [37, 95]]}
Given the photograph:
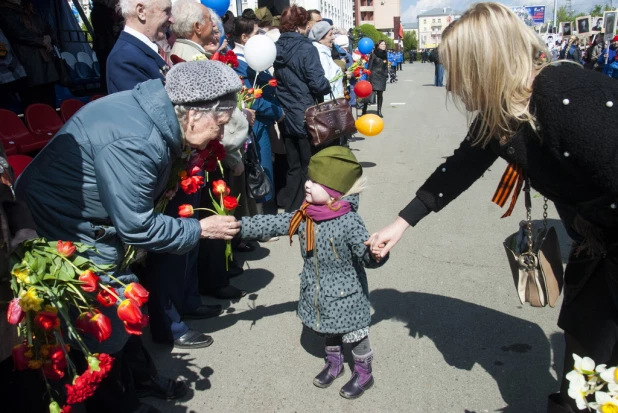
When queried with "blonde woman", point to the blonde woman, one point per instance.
{"points": [[548, 120]]}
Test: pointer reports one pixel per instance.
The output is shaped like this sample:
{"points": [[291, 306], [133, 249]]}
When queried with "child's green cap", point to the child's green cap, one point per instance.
{"points": [[335, 167]]}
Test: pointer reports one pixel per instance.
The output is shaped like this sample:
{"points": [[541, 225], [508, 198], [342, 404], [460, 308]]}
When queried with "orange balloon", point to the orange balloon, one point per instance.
{"points": [[369, 125]]}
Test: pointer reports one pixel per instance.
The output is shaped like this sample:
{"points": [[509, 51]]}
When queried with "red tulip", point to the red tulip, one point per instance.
{"points": [[185, 211], [66, 248], [15, 314], [90, 281], [230, 203], [272, 82], [136, 329], [250, 91], [46, 320], [52, 372], [105, 298], [136, 292], [129, 311], [83, 322], [100, 327], [20, 361], [220, 188]]}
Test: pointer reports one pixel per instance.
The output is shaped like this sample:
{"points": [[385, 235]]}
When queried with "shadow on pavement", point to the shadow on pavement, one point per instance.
{"points": [[515, 352], [367, 164]]}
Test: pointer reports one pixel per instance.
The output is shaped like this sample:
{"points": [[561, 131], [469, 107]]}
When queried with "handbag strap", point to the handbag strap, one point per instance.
{"points": [[528, 202]]}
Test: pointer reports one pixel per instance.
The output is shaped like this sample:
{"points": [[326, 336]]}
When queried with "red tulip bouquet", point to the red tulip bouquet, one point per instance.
{"points": [[225, 206], [187, 173], [247, 96], [48, 279]]}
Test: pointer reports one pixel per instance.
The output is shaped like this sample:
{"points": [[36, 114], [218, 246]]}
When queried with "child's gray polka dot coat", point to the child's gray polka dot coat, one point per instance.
{"points": [[334, 297]]}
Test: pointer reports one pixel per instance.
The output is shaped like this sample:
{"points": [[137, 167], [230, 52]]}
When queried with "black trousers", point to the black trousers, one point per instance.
{"points": [[589, 313], [298, 151], [211, 261]]}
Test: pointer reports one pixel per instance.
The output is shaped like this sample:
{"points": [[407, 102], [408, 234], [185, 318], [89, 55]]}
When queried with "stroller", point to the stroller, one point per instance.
{"points": [[392, 73]]}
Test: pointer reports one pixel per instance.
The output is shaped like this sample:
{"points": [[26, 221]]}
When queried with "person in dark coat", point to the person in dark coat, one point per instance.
{"points": [[378, 66], [300, 84], [31, 39], [135, 57], [539, 130], [99, 185], [438, 78], [107, 25]]}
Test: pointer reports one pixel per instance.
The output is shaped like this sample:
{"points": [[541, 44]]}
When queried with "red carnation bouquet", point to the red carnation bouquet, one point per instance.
{"points": [[229, 58], [48, 279], [226, 205]]}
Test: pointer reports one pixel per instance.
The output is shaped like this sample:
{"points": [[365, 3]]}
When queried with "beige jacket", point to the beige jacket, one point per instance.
{"points": [[237, 130]]}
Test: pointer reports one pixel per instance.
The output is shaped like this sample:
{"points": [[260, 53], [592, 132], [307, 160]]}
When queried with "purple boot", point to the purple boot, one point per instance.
{"points": [[361, 378], [333, 368]]}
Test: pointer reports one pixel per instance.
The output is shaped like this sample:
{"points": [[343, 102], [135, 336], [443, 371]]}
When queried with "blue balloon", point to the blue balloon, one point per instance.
{"points": [[219, 6], [365, 45]]}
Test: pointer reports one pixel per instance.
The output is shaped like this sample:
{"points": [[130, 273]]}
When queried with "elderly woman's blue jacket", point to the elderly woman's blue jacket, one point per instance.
{"points": [[98, 179]]}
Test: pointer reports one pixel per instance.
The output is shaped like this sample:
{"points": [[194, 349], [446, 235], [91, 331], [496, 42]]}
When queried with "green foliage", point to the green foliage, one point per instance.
{"points": [[597, 10], [409, 41], [367, 30], [565, 15]]}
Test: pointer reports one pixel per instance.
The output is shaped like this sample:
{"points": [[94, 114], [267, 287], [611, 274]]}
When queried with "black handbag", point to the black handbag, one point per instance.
{"points": [[258, 184]]}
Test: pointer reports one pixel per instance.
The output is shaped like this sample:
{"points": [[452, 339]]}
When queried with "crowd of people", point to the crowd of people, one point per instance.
{"points": [[174, 73]]}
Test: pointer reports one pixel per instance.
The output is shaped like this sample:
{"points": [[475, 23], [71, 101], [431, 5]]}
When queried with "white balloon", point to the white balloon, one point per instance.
{"points": [[260, 52]]}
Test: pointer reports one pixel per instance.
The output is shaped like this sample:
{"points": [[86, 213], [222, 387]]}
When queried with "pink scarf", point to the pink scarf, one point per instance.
{"points": [[323, 213]]}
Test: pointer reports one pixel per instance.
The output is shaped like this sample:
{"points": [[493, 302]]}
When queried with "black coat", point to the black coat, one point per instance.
{"points": [[573, 163], [300, 79], [379, 72]]}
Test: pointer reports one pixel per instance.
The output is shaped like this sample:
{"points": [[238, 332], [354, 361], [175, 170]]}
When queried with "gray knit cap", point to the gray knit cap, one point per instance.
{"points": [[319, 30], [201, 82]]}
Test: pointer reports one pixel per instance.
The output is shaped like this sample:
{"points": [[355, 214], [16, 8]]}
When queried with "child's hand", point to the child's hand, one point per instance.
{"points": [[376, 256]]}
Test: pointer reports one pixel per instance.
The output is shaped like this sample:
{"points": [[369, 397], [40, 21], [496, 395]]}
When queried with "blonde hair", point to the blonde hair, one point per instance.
{"points": [[491, 58], [358, 187]]}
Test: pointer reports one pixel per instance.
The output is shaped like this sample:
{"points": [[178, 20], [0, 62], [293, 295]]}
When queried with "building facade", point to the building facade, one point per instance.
{"points": [[432, 23], [378, 13]]}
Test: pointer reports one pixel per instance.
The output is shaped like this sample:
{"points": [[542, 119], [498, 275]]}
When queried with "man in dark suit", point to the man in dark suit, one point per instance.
{"points": [[135, 57]]}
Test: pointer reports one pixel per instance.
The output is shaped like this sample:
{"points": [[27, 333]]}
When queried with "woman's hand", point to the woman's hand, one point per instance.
{"points": [[219, 227], [223, 46], [381, 242]]}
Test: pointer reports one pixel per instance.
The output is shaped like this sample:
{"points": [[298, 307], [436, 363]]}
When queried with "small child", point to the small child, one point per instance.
{"points": [[334, 297]]}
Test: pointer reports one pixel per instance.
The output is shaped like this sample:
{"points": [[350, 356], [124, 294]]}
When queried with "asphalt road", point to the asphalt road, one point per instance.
{"points": [[448, 330]]}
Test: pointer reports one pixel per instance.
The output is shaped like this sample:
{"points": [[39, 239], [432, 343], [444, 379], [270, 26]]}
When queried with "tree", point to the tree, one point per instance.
{"points": [[367, 30], [565, 15], [598, 10], [410, 41]]}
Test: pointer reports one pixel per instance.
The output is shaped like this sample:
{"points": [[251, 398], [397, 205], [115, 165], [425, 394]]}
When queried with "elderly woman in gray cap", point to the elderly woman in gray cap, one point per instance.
{"points": [[99, 178]]}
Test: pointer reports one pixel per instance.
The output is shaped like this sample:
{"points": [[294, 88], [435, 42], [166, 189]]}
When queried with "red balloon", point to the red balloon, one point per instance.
{"points": [[363, 89]]}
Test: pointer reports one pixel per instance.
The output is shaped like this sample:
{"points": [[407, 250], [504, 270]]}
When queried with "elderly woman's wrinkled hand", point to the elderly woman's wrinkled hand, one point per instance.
{"points": [[219, 227]]}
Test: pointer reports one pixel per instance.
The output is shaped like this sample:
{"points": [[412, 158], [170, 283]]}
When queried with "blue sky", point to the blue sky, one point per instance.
{"points": [[411, 8]]}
